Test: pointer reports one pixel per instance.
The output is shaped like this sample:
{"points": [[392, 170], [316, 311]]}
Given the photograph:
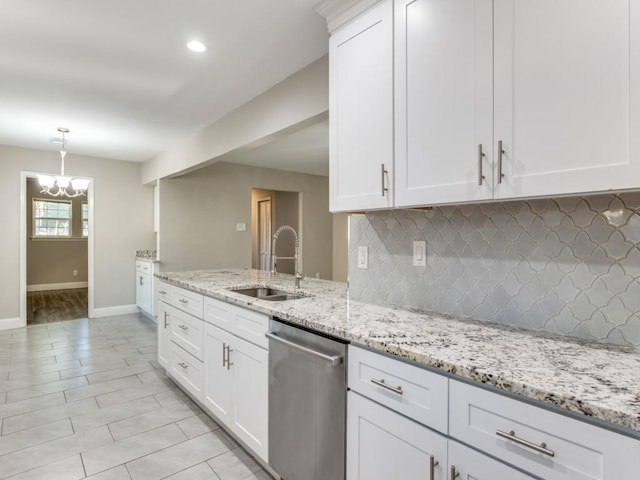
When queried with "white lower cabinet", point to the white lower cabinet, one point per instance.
{"points": [[467, 464], [186, 370], [218, 383], [236, 384], [164, 333], [384, 445]]}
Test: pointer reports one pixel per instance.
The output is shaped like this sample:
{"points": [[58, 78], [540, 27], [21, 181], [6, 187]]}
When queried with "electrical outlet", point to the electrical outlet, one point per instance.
{"points": [[75, 273], [420, 253], [363, 257], [241, 227]]}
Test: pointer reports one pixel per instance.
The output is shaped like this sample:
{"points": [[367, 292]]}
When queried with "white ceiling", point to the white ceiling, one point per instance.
{"points": [[118, 75], [303, 151]]}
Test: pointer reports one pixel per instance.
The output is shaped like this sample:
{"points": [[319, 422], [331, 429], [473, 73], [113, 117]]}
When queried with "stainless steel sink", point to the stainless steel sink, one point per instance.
{"points": [[270, 294]]}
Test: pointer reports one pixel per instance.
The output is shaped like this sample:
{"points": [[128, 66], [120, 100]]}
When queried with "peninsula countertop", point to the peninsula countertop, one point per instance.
{"points": [[587, 378]]}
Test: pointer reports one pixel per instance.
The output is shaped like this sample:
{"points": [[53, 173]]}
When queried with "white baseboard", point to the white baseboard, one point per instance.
{"points": [[42, 287], [114, 311], [8, 323]]}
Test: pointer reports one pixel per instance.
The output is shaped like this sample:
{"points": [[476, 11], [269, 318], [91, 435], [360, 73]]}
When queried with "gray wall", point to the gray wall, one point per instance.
{"points": [[199, 212], [569, 266], [50, 260], [123, 222]]}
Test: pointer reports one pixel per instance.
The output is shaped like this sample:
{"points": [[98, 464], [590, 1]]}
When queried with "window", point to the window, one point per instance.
{"points": [[51, 218], [85, 219]]}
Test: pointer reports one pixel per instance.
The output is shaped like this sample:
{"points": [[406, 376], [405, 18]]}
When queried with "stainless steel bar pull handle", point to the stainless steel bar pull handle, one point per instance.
{"points": [[183, 365], [141, 280], [229, 357], [162, 292], [542, 448], [182, 300], [165, 319], [383, 384], [383, 172], [224, 354], [454, 472], [480, 157], [433, 463], [500, 153], [183, 327], [333, 360]]}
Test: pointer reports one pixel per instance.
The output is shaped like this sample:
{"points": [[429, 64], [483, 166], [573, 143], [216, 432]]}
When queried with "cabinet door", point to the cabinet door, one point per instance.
{"points": [[567, 95], [218, 376], [164, 333], [383, 445], [471, 465], [361, 112], [444, 101], [250, 365]]}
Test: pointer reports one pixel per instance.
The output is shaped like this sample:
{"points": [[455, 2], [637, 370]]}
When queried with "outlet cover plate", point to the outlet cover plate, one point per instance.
{"points": [[363, 257]]}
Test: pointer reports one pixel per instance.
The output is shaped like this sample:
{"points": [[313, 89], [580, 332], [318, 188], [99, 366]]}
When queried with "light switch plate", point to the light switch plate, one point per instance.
{"points": [[363, 257], [420, 253], [241, 227]]}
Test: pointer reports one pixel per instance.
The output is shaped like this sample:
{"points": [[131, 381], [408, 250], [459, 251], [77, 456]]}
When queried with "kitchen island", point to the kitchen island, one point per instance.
{"points": [[593, 381]]}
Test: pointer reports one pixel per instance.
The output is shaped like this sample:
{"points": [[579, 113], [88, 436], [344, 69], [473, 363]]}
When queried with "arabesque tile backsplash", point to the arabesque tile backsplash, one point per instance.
{"points": [[567, 265]]}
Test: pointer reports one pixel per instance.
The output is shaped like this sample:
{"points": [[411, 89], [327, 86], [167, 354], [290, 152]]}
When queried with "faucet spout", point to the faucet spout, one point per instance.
{"points": [[296, 254]]}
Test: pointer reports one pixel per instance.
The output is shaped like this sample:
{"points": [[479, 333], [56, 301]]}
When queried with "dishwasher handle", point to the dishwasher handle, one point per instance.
{"points": [[332, 360]]}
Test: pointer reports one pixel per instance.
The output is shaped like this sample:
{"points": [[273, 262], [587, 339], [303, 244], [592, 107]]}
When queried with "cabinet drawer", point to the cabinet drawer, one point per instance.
{"points": [[412, 391], [218, 313], [163, 292], [250, 326], [186, 370], [187, 301], [576, 450], [143, 267], [188, 332]]}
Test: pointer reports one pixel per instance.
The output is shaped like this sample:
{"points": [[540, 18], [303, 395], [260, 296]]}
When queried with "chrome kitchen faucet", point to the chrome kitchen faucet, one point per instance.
{"points": [[296, 254]]}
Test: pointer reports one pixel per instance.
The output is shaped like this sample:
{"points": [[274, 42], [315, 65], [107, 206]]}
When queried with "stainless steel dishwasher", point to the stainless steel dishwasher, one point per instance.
{"points": [[307, 404]]}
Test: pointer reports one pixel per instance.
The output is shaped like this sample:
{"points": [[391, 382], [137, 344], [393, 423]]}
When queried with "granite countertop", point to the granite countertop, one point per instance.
{"points": [[595, 380], [147, 256]]}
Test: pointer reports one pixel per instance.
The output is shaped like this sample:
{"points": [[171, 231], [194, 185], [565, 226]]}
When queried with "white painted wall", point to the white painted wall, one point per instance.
{"points": [[123, 215], [199, 212]]}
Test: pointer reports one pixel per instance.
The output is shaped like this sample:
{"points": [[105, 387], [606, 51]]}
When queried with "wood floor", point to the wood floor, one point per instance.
{"points": [[56, 305], [87, 399]]}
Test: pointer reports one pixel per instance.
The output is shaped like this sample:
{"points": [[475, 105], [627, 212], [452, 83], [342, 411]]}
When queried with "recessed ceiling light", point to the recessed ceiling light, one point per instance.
{"points": [[196, 46]]}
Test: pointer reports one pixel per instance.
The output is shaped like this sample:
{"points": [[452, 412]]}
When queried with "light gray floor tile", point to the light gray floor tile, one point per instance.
{"points": [[117, 473], [202, 471], [153, 375], [50, 452], [118, 373], [67, 469], [47, 415], [261, 475], [86, 391], [129, 394], [109, 456], [29, 381], [18, 371], [197, 425], [45, 388], [31, 404], [78, 371], [234, 465], [35, 436], [174, 396], [104, 416], [175, 459], [148, 421]]}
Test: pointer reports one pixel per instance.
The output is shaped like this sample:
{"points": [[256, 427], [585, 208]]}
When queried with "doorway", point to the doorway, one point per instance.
{"points": [[270, 210], [55, 255]]}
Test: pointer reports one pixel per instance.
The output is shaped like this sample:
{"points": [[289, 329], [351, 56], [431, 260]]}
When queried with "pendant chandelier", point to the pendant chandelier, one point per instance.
{"points": [[61, 185]]}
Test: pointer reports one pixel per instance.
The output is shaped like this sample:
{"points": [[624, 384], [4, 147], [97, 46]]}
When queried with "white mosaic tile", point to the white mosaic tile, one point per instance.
{"points": [[569, 265]]}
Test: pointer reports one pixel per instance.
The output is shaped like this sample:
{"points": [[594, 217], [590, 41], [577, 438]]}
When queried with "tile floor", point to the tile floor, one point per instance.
{"points": [[86, 399]]}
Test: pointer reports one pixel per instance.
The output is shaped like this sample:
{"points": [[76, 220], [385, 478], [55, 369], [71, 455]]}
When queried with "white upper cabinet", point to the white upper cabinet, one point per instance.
{"points": [[443, 101], [567, 95], [444, 83], [361, 112]]}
